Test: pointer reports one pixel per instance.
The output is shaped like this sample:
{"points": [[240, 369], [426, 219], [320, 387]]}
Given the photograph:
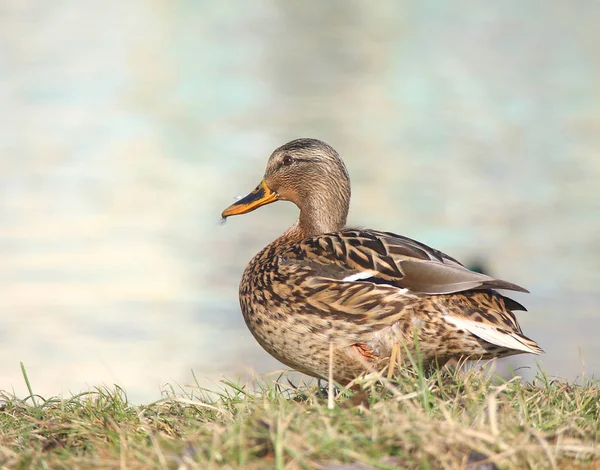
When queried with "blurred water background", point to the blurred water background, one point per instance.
{"points": [[126, 127]]}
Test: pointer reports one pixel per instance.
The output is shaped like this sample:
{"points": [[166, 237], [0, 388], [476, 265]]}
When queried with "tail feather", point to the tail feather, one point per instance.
{"points": [[498, 336]]}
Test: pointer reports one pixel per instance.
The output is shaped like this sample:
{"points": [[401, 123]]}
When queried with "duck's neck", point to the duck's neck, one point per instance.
{"points": [[317, 219]]}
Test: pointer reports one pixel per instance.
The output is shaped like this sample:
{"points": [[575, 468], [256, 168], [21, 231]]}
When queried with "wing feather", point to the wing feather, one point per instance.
{"points": [[373, 280], [393, 259]]}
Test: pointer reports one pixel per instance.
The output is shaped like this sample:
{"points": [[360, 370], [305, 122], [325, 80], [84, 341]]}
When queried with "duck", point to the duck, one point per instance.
{"points": [[338, 302]]}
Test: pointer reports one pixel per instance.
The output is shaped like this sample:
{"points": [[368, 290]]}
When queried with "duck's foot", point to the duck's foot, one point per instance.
{"points": [[364, 350], [323, 390]]}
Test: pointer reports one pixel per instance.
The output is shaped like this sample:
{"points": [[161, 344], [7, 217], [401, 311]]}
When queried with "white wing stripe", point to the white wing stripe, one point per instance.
{"points": [[358, 276]]}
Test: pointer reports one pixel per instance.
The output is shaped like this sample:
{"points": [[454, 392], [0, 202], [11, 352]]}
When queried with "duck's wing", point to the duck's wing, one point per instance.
{"points": [[386, 258], [364, 280]]}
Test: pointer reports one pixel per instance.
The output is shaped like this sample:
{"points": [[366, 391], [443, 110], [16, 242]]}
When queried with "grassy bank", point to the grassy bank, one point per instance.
{"points": [[449, 420]]}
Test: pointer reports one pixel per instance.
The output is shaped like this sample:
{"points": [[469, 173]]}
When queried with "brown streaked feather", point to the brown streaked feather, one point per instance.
{"points": [[486, 315], [371, 307], [404, 262]]}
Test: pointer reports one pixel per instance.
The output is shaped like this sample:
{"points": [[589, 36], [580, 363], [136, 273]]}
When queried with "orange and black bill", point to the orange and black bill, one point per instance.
{"points": [[259, 197]]}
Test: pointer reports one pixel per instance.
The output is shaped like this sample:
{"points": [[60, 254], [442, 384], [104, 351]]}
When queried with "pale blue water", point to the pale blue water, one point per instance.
{"points": [[126, 127]]}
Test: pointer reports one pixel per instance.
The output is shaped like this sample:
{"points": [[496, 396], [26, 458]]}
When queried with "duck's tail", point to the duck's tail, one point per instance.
{"points": [[513, 340]]}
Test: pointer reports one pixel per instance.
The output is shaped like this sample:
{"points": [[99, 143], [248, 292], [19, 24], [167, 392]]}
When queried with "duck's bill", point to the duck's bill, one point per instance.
{"points": [[259, 197]]}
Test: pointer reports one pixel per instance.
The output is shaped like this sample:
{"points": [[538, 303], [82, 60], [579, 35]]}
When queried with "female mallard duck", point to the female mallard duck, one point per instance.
{"points": [[365, 293]]}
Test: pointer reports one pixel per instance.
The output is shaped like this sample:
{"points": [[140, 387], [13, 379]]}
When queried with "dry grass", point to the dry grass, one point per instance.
{"points": [[412, 422]]}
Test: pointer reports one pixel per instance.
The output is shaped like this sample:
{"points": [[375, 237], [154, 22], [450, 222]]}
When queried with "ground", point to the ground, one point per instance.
{"points": [[451, 419]]}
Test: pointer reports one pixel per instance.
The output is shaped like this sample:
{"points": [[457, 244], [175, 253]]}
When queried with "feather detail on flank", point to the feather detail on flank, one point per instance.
{"points": [[493, 335]]}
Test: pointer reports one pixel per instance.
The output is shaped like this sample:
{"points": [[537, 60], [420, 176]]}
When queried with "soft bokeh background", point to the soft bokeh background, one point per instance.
{"points": [[126, 127]]}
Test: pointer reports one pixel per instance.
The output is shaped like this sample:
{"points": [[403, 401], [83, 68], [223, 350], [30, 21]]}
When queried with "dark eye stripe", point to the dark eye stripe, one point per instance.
{"points": [[289, 160]]}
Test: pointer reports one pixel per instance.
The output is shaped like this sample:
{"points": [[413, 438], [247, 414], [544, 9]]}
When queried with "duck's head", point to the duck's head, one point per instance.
{"points": [[309, 173]]}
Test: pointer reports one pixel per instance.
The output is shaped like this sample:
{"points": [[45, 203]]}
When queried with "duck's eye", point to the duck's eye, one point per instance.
{"points": [[288, 160]]}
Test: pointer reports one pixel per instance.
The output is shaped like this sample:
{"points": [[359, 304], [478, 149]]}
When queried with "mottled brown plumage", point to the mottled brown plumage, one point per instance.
{"points": [[364, 291]]}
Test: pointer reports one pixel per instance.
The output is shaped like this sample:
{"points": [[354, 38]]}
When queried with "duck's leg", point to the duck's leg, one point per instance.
{"points": [[361, 359], [364, 350]]}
